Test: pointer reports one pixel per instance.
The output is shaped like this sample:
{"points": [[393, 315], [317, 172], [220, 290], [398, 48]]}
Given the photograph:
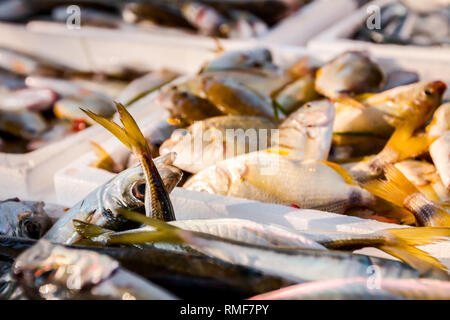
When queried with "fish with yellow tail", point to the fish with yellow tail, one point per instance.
{"points": [[157, 201], [420, 102], [379, 114], [400, 191]]}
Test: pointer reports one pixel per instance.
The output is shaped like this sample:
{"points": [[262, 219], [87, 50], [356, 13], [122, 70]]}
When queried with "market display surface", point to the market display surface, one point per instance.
{"points": [[208, 199]]}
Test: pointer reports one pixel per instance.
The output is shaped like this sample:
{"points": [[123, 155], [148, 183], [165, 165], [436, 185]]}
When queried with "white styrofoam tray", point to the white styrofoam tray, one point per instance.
{"points": [[30, 175], [295, 29], [337, 39]]}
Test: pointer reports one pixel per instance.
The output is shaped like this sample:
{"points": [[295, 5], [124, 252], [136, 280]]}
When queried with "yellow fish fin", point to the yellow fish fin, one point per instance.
{"points": [[418, 259], [112, 127], [401, 244], [395, 189], [341, 171]]}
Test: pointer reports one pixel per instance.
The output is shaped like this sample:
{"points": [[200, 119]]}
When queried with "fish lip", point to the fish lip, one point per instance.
{"points": [[440, 86]]}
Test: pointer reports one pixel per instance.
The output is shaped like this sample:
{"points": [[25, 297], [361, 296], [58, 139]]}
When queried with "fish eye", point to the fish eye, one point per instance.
{"points": [[138, 190], [32, 230], [428, 93]]}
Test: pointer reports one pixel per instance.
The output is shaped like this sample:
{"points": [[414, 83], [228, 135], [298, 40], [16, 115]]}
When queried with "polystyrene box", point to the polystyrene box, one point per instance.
{"points": [[336, 38], [295, 29]]}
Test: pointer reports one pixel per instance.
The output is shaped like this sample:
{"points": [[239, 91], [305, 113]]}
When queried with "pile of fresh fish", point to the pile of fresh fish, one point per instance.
{"points": [[123, 241], [229, 19], [408, 23], [40, 101]]}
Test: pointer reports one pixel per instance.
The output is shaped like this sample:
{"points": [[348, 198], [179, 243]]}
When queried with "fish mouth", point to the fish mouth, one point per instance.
{"points": [[440, 86]]}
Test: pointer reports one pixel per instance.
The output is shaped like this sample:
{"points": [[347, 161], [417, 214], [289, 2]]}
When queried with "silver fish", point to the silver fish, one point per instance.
{"points": [[53, 272], [363, 289], [31, 99], [126, 190]]}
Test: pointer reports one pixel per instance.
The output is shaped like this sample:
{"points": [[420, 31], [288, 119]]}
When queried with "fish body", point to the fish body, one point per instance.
{"points": [[23, 124], [205, 18], [270, 177], [234, 98], [307, 133], [348, 74], [52, 272], [300, 265], [440, 122], [26, 219], [184, 274], [69, 108], [297, 93], [241, 60], [185, 107], [28, 99], [380, 113], [212, 140], [363, 289], [440, 153]]}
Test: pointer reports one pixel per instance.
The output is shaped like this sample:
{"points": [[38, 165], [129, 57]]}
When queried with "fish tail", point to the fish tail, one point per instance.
{"points": [[164, 232], [157, 201], [395, 189], [400, 191], [418, 259]]}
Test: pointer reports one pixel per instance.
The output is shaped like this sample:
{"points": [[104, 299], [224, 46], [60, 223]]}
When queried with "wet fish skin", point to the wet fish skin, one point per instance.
{"points": [[235, 98], [23, 124], [126, 190], [348, 74], [273, 178], [440, 122], [185, 107], [360, 289], [260, 58], [297, 93], [47, 271], [215, 144], [26, 219], [179, 272], [296, 265], [28, 99], [307, 133], [440, 153]]}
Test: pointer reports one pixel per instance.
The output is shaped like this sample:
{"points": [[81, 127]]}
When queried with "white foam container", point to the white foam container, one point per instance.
{"points": [[337, 39], [295, 29]]}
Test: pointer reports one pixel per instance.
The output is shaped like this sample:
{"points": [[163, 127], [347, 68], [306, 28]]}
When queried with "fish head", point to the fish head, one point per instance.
{"points": [[431, 94], [52, 271], [127, 191], [313, 114], [33, 225]]}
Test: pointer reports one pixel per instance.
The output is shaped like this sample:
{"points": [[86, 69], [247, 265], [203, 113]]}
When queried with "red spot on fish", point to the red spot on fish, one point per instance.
{"points": [[294, 206], [79, 124]]}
